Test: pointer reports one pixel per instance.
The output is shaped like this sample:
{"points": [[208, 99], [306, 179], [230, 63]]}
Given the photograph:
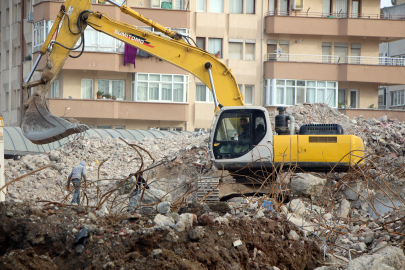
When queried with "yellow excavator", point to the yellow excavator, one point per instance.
{"points": [[242, 135]]}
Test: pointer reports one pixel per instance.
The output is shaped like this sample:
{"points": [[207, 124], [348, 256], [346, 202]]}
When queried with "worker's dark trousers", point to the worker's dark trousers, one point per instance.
{"points": [[76, 195]]}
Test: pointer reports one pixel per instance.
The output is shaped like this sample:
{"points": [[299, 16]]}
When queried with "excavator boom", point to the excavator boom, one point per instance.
{"points": [[40, 126]]}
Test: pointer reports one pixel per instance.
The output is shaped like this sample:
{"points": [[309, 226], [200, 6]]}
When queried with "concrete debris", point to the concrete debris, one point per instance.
{"points": [[150, 197], [307, 185], [344, 209], [386, 258]]}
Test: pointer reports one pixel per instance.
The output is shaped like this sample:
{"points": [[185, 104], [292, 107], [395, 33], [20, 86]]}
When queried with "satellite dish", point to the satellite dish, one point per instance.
{"points": [[279, 51]]}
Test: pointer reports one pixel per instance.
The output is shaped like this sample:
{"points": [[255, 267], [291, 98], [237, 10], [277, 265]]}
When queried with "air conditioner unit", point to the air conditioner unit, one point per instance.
{"points": [[30, 17], [298, 5]]}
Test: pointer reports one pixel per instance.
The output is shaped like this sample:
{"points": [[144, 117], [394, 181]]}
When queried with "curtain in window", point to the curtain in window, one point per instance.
{"points": [[167, 92], [91, 39], [326, 8], [178, 91], [341, 8], [87, 88], [280, 95], [210, 95], [283, 7], [320, 96], [342, 53], [250, 51], [290, 96], [55, 89], [118, 89], [250, 6], [235, 6], [201, 4], [235, 50], [216, 5], [153, 91], [103, 86], [106, 43], [200, 94], [271, 7], [326, 54], [155, 3], [310, 95], [142, 91], [215, 46], [249, 94]]}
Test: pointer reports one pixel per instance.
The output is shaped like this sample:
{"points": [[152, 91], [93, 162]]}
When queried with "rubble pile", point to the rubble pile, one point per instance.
{"points": [[58, 237], [184, 157]]}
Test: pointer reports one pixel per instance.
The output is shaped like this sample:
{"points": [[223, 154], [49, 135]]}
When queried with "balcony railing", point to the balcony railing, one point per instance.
{"points": [[336, 15], [334, 59]]}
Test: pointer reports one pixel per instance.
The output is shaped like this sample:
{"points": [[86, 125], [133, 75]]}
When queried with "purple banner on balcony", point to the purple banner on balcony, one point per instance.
{"points": [[130, 54]]}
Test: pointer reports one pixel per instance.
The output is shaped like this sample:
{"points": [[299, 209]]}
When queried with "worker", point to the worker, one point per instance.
{"points": [[243, 130], [141, 181], [75, 176]]}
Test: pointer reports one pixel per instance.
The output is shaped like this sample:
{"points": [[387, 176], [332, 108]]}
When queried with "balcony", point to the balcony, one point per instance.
{"points": [[5, 80], [333, 68], [28, 31], [114, 62], [110, 109], [384, 27], [15, 32], [174, 18], [5, 37], [15, 77]]}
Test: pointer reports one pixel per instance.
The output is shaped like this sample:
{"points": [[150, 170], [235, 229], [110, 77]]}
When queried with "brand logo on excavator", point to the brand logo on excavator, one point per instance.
{"points": [[135, 38]]}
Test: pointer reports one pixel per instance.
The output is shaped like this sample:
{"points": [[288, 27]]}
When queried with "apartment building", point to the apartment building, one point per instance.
{"points": [[281, 52]]}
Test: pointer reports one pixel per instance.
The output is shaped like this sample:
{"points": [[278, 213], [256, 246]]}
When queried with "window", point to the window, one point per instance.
{"points": [[112, 87], [284, 46], [160, 87], [103, 127], [235, 50], [249, 94], [41, 31], [250, 7], [201, 5], [341, 51], [164, 128], [355, 54], [235, 6], [272, 49], [215, 46], [16, 99], [382, 98], [87, 88], [55, 89], [200, 41], [326, 52], [354, 98], [291, 92], [341, 98], [203, 93], [249, 50], [119, 127], [216, 6], [177, 129], [99, 42]]}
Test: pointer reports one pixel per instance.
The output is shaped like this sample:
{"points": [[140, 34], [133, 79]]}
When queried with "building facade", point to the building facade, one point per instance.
{"points": [[393, 97], [281, 52]]}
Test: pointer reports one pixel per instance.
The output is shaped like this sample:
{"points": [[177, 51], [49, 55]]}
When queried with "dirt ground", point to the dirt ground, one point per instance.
{"points": [[35, 237]]}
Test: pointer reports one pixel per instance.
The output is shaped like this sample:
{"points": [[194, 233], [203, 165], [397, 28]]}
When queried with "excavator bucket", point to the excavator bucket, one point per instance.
{"points": [[41, 127]]}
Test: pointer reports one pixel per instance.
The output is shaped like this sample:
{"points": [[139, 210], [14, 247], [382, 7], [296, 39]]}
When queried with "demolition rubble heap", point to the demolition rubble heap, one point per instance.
{"points": [[353, 220]]}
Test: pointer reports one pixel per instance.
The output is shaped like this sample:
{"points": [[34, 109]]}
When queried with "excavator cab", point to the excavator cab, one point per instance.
{"points": [[237, 132]]}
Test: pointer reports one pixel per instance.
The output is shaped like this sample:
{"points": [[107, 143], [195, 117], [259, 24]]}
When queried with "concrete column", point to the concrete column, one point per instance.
{"points": [[2, 182]]}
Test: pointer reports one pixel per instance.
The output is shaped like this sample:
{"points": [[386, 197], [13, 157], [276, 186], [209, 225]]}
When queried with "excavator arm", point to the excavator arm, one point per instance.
{"points": [[39, 126]]}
